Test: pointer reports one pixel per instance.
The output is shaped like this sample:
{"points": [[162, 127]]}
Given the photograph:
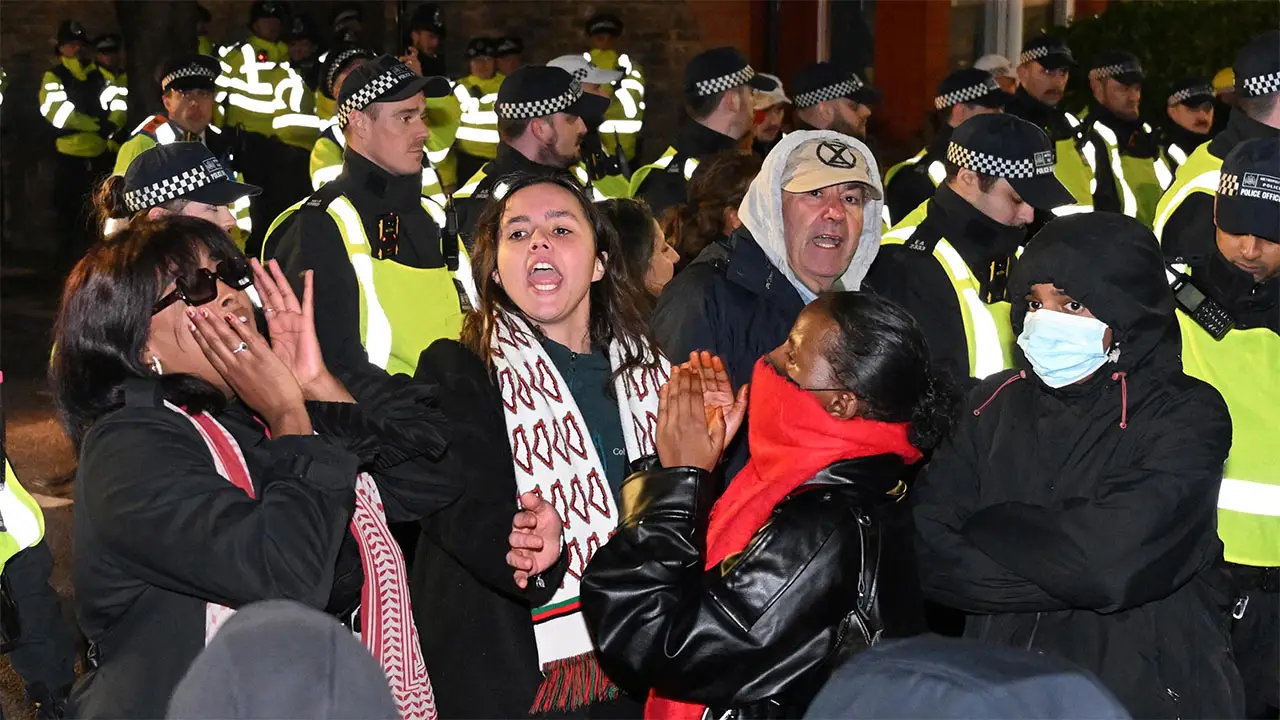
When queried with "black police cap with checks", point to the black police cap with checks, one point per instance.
{"points": [[544, 107], [189, 71], [844, 88], [1260, 85], [171, 188], [1041, 163], [1190, 91], [395, 75], [967, 94], [1114, 69], [707, 88]]}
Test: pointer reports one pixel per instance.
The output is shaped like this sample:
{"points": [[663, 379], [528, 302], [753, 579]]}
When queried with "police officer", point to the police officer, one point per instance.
{"points": [[109, 56], [717, 98], [961, 95], [1184, 217], [269, 102], [71, 95], [829, 98], [373, 241], [604, 173], [347, 24], [625, 118], [426, 32], [1229, 314], [204, 44], [543, 115], [444, 115], [1043, 69], [1188, 119], [304, 50], [508, 54], [1132, 147], [948, 261], [477, 136]]}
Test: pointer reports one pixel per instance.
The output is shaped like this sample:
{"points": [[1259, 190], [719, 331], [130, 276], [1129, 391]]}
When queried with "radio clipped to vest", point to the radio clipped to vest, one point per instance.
{"points": [[388, 244], [1204, 310]]}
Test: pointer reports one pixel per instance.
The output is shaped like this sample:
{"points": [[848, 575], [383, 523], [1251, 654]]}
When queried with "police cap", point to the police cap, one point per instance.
{"points": [[481, 47], [825, 81], [970, 86], [1050, 51], [180, 171], [1004, 146], [428, 17], [336, 62], [1249, 190], [107, 43], [268, 9], [71, 31], [1257, 66], [1192, 92], [720, 69], [189, 72], [604, 24], [385, 79], [1123, 67], [536, 91], [507, 46]]}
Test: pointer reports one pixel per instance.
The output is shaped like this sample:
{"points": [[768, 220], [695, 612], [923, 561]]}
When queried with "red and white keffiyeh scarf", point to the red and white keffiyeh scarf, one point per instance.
{"points": [[387, 626], [554, 456]]}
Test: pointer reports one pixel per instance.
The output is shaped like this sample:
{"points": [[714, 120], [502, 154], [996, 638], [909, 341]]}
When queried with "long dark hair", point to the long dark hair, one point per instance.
{"points": [[718, 184], [881, 356], [633, 222], [615, 300], [104, 320]]}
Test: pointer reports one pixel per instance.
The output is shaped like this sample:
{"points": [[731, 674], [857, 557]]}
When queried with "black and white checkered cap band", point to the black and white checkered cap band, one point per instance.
{"points": [[1107, 71], [379, 86], [1229, 185], [1260, 85], [966, 94], [1020, 169], [172, 188], [1190, 92], [540, 108], [1043, 52], [738, 78], [844, 88], [186, 72], [335, 65]]}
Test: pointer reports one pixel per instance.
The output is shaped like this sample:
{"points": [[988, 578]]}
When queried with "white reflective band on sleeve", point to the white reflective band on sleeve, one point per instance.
{"points": [[581, 174], [1071, 120], [325, 175], [303, 120], [377, 340], [141, 125], [225, 67], [621, 127], [1062, 210], [119, 105], [1207, 181], [489, 99], [52, 99], [467, 279], [1246, 496], [1129, 203], [633, 85], [690, 165], [240, 205], [261, 107], [467, 190], [429, 177], [1178, 156], [165, 134], [628, 103], [341, 138], [214, 129], [937, 173], [986, 339], [106, 96], [53, 86], [480, 117], [19, 521], [64, 112], [221, 98], [245, 224], [664, 161], [1163, 175], [439, 156], [902, 233], [436, 211], [478, 135], [884, 215]]}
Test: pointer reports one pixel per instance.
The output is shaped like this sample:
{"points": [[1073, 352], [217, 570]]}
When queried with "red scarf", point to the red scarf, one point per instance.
{"points": [[790, 442]]}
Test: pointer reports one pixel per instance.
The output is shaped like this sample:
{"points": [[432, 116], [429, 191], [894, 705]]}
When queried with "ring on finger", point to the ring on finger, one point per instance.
{"points": [[240, 348]]}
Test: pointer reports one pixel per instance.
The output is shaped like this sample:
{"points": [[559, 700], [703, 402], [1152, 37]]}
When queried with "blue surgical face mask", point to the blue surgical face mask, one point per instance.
{"points": [[1062, 348]]}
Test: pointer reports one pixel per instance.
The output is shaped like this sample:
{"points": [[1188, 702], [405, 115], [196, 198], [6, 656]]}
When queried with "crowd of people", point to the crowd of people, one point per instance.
{"points": [[719, 436]]}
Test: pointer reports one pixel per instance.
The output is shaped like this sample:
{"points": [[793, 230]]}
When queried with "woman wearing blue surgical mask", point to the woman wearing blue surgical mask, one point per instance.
{"points": [[1073, 510]]}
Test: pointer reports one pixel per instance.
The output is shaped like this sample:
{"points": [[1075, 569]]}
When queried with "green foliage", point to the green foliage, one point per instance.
{"points": [[1174, 39]]}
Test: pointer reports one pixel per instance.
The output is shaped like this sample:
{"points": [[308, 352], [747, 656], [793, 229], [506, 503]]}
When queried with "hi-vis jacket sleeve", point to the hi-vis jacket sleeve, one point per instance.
{"points": [[1145, 531], [954, 571], [58, 109], [149, 488]]}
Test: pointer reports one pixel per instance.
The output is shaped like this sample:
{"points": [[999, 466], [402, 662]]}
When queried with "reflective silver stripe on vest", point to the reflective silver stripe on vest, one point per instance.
{"points": [[1207, 181], [986, 340], [1249, 497], [377, 339]]}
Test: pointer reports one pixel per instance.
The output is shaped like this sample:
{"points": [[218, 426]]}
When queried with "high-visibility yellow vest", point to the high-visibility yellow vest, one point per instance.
{"points": [[477, 132], [266, 96], [662, 163], [937, 173], [988, 330], [443, 117], [71, 99], [21, 521], [402, 309], [1139, 181], [1199, 174], [1244, 367], [326, 164], [610, 187], [624, 119], [1077, 167]]}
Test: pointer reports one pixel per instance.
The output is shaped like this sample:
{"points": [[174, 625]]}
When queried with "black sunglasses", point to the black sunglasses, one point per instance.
{"points": [[203, 286]]}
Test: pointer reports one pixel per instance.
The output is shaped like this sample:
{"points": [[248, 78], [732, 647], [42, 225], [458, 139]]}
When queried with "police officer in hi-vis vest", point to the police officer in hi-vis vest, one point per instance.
{"points": [[374, 242], [948, 261], [1228, 295]]}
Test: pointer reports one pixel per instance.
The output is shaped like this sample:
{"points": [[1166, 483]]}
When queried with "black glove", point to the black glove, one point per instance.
{"points": [[106, 128]]}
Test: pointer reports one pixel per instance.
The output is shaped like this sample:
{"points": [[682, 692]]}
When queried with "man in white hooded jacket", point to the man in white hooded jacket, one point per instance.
{"points": [[810, 224]]}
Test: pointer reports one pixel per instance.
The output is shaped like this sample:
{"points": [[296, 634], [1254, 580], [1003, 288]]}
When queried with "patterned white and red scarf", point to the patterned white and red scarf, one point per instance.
{"points": [[554, 456], [387, 625]]}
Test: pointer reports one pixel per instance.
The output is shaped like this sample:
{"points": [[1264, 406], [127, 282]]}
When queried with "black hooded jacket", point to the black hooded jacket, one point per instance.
{"points": [[1081, 521]]}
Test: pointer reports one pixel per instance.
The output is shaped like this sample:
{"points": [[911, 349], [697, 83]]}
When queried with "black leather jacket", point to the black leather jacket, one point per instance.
{"points": [[759, 633]]}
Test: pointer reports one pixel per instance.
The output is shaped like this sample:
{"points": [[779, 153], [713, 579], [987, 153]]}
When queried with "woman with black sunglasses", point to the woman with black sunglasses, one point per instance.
{"points": [[218, 468]]}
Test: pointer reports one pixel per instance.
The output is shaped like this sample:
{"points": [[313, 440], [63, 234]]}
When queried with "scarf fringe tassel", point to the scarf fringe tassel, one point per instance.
{"points": [[572, 683]]}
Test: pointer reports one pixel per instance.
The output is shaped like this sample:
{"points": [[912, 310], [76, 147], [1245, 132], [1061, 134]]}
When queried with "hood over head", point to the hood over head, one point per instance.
{"points": [[281, 659], [936, 677], [761, 208], [1112, 265]]}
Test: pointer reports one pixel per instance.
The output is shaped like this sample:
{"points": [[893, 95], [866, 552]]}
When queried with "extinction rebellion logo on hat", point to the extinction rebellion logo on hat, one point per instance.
{"points": [[1043, 159], [837, 155], [213, 169]]}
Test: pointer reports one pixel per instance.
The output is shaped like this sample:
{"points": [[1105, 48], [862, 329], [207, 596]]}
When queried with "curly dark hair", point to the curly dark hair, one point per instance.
{"points": [[616, 300], [718, 184]]}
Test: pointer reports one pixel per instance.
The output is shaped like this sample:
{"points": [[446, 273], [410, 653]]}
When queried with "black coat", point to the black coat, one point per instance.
{"points": [[664, 188], [474, 623], [159, 533], [1081, 521], [912, 185], [732, 301], [760, 632]]}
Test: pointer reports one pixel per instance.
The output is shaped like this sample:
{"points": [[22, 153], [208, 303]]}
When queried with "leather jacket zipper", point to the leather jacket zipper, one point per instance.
{"points": [[1034, 629]]}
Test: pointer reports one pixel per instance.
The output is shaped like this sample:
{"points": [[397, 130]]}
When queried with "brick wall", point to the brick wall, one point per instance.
{"points": [[661, 35]]}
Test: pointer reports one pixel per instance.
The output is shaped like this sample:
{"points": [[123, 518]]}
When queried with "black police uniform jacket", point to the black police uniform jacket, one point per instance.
{"points": [[508, 162], [828, 575], [663, 188], [1081, 521], [159, 532], [733, 302]]}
